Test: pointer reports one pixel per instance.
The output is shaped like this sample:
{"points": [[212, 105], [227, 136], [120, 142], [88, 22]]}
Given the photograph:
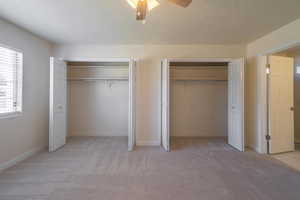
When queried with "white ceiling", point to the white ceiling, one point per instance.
{"points": [[113, 21]]}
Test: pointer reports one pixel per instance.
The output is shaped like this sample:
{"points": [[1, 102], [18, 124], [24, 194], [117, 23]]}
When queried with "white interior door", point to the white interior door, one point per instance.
{"points": [[58, 104], [132, 91], [165, 103], [281, 102], [236, 104]]}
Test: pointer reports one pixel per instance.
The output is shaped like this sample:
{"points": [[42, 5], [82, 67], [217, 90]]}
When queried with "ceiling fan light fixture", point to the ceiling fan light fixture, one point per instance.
{"points": [[150, 4]]}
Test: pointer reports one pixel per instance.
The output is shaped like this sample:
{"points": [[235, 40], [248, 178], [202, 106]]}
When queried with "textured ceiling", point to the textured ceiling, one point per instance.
{"points": [[113, 21]]}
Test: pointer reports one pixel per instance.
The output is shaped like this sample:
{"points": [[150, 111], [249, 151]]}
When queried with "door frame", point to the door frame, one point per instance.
{"points": [[216, 60], [263, 99], [132, 96]]}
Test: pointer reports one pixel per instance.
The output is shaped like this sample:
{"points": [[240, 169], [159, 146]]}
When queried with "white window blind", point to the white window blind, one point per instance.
{"points": [[10, 81]]}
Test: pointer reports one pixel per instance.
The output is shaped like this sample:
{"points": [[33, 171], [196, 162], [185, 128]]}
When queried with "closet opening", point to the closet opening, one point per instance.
{"points": [[198, 102], [202, 101], [97, 102]]}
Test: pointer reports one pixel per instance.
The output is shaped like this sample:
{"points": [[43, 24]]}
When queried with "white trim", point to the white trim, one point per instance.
{"points": [[262, 104], [132, 105], [10, 115], [20, 158], [148, 143], [51, 106], [199, 59], [243, 78], [86, 59], [20, 89], [165, 105]]}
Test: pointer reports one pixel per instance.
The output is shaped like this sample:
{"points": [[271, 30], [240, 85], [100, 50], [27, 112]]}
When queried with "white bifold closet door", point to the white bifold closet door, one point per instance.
{"points": [[58, 104], [165, 101], [236, 104], [131, 113]]}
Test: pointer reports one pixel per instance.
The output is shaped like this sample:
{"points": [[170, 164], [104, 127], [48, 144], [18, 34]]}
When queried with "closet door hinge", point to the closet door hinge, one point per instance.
{"points": [[268, 137], [268, 68]]}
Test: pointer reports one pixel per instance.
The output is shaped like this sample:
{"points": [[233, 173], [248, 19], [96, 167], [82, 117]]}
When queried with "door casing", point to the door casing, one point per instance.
{"points": [[165, 131], [132, 91]]}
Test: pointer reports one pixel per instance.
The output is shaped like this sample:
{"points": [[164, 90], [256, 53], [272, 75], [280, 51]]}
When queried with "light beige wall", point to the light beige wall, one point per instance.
{"points": [[286, 36], [199, 108], [148, 74], [98, 108], [28, 132], [199, 101], [283, 37]]}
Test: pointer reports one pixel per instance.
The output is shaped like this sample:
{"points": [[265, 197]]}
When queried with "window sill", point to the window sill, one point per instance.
{"points": [[10, 115]]}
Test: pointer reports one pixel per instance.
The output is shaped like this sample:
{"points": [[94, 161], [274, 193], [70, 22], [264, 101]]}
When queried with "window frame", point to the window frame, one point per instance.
{"points": [[19, 86]]}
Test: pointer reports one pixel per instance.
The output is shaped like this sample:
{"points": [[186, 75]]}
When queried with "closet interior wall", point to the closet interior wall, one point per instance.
{"points": [[198, 97], [98, 98]]}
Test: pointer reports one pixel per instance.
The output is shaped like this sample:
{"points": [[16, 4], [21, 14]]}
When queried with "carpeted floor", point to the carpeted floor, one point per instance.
{"points": [[102, 169]]}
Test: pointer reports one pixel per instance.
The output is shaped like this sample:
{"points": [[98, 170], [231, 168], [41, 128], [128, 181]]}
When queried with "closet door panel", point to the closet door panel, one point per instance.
{"points": [[132, 102], [236, 104], [165, 103], [58, 104]]}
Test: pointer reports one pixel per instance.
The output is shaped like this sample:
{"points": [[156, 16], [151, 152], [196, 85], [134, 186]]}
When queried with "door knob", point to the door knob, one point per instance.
{"points": [[292, 108]]}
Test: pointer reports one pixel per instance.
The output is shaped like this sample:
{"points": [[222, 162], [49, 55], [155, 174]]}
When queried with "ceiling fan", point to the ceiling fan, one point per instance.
{"points": [[142, 6]]}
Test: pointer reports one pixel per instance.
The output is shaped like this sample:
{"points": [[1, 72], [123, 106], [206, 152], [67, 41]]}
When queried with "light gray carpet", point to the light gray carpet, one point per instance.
{"points": [[102, 169]]}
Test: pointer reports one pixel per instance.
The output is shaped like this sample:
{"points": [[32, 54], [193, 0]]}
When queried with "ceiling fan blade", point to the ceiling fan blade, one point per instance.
{"points": [[182, 3], [141, 9]]}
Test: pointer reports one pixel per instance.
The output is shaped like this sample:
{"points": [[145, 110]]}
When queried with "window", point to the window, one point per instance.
{"points": [[11, 64]]}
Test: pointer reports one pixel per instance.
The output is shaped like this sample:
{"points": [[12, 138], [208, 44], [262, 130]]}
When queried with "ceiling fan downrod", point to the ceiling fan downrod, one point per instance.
{"points": [[141, 10]]}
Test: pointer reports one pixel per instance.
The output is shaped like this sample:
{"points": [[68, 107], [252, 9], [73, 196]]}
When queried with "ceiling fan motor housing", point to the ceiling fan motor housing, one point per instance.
{"points": [[141, 10]]}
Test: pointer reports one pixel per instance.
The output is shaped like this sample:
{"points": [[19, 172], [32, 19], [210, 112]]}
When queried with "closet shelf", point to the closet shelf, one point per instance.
{"points": [[100, 67], [199, 79], [99, 79]]}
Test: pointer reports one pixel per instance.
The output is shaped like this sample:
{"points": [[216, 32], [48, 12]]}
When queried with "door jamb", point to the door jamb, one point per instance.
{"points": [[263, 113], [200, 60], [89, 59]]}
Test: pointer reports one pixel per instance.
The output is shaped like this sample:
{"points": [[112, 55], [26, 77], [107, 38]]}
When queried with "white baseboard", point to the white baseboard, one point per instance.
{"points": [[20, 158], [148, 143]]}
